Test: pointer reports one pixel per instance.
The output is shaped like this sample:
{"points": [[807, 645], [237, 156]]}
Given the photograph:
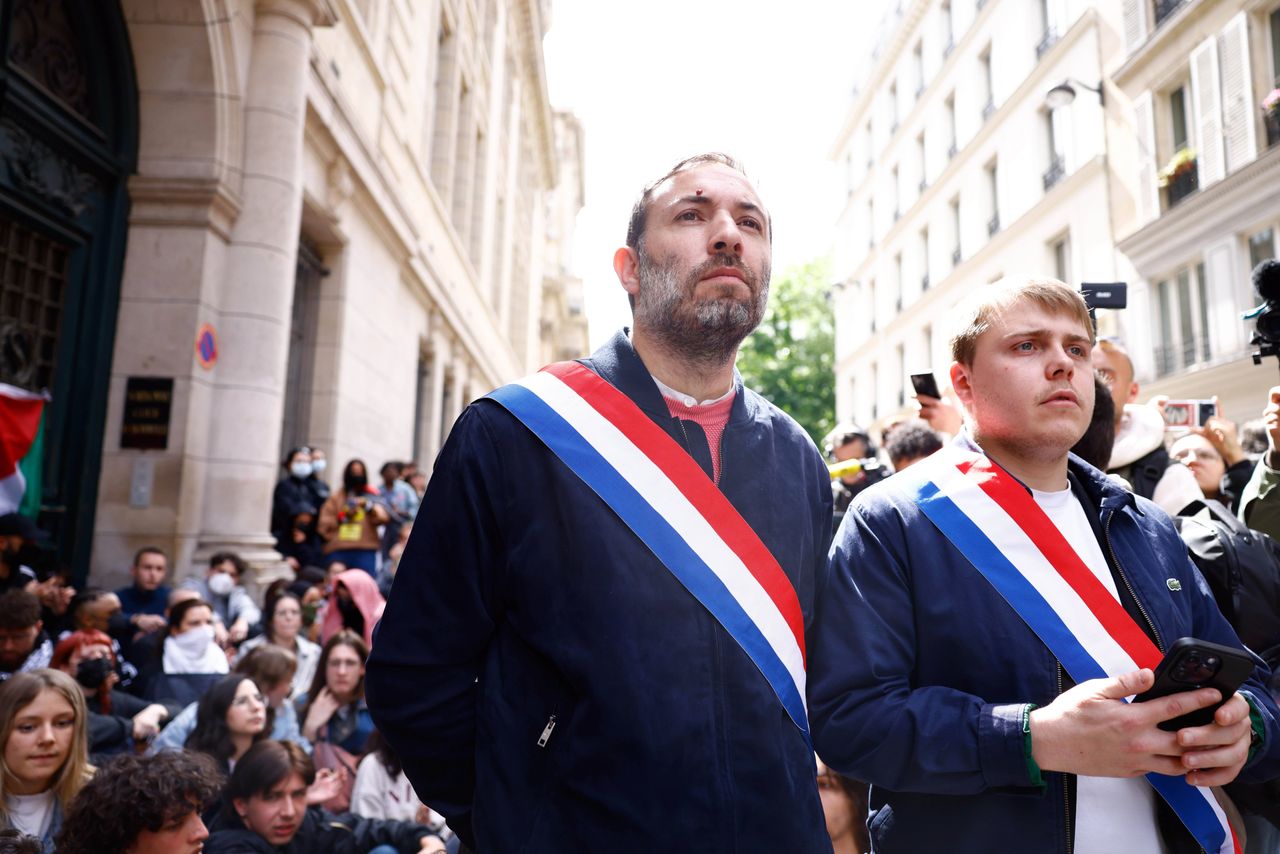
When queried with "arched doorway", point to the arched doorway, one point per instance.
{"points": [[68, 140]]}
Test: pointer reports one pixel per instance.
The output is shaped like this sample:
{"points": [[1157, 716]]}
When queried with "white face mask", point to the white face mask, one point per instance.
{"points": [[318, 466], [300, 470], [194, 642], [220, 584]]}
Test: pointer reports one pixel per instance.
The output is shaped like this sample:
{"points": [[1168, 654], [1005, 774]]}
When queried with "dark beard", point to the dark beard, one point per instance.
{"points": [[711, 331]]}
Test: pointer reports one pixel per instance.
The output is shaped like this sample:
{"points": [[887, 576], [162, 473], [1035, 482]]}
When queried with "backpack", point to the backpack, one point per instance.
{"points": [[1145, 472], [1242, 567]]}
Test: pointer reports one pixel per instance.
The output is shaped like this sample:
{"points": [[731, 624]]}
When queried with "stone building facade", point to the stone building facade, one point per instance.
{"points": [[323, 222]]}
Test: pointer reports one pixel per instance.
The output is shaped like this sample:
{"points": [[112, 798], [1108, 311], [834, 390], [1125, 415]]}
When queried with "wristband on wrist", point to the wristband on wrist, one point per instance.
{"points": [[1033, 770]]}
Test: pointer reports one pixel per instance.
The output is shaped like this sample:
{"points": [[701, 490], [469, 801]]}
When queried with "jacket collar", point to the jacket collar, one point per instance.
{"points": [[1104, 492], [618, 364]]}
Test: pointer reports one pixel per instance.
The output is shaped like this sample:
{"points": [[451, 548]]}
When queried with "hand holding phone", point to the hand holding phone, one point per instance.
{"points": [[1190, 664], [925, 385]]}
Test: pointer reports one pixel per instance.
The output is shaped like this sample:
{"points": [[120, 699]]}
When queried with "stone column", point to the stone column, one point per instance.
{"points": [[440, 353], [458, 387], [256, 296]]}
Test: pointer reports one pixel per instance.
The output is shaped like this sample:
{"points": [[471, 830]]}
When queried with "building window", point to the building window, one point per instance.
{"points": [[1262, 247], [990, 106], [993, 224], [893, 107], [1183, 320], [1164, 8], [897, 266], [950, 107], [871, 293], [897, 196], [948, 34], [1061, 249], [924, 258], [1178, 118], [902, 364], [1275, 47], [924, 165], [1057, 164], [955, 232], [1050, 37], [917, 66]]}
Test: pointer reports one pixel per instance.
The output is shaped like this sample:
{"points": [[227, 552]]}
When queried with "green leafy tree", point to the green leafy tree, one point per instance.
{"points": [[790, 358]]}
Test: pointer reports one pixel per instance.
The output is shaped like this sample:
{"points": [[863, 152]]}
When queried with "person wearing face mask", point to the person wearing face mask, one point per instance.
{"points": [[232, 605], [116, 720], [294, 496], [190, 661], [100, 611], [349, 520]]}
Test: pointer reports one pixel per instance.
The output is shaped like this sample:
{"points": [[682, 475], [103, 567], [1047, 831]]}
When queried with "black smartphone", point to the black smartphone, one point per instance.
{"points": [[1190, 664], [925, 385]]}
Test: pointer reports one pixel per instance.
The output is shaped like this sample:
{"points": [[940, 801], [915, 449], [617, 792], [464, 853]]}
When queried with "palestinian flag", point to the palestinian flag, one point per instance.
{"points": [[20, 422]]}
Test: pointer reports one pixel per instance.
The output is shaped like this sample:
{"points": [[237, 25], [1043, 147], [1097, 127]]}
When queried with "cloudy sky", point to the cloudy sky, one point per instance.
{"points": [[654, 82]]}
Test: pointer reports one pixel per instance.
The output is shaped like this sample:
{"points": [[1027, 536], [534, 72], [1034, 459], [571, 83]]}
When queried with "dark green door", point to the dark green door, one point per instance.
{"points": [[68, 140]]}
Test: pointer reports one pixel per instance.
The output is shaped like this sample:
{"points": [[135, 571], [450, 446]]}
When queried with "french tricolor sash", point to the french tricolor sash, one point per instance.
{"points": [[666, 498], [998, 527]]}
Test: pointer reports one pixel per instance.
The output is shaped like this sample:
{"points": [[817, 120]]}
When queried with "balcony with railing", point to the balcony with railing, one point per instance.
{"points": [[1271, 121], [1054, 173], [1174, 356], [1180, 178]]}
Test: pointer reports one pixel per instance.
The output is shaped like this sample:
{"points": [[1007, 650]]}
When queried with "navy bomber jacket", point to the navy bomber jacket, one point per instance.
{"points": [[919, 673], [550, 686]]}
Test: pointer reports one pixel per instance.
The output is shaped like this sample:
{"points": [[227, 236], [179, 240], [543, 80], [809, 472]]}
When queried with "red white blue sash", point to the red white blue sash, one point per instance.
{"points": [[666, 498], [997, 525]]}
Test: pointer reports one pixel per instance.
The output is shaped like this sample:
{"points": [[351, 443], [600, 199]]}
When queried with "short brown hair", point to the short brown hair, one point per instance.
{"points": [[1050, 294], [132, 794], [640, 210], [268, 665], [18, 609], [266, 764]]}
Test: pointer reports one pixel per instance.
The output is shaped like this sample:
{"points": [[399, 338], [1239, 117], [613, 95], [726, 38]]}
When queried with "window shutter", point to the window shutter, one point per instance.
{"points": [[1148, 192], [1135, 24], [1226, 332], [1207, 107], [1237, 94]]}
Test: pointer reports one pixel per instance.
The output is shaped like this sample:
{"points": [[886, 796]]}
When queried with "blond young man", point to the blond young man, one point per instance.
{"points": [[929, 677]]}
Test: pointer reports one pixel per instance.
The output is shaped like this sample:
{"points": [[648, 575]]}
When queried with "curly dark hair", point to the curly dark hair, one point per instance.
{"points": [[211, 735], [132, 794]]}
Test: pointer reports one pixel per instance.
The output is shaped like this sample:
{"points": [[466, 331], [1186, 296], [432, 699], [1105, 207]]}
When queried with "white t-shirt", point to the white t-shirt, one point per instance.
{"points": [[1112, 813], [30, 814]]}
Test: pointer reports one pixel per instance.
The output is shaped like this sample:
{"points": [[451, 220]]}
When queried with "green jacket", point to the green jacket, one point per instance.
{"points": [[1260, 501]]}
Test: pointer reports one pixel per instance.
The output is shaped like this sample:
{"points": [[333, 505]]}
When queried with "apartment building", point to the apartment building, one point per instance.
{"points": [[235, 226], [1198, 77], [960, 170]]}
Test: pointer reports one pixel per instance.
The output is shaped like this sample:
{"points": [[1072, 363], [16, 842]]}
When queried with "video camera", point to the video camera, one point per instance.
{"points": [[1266, 317]]}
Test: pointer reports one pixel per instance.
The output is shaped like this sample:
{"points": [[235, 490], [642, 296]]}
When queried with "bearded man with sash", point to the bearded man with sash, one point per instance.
{"points": [[596, 637], [991, 610]]}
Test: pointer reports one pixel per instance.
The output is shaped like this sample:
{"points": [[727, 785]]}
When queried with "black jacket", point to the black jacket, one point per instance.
{"points": [[322, 832]]}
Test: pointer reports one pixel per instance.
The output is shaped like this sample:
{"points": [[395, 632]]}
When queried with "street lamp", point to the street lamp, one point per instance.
{"points": [[1065, 92]]}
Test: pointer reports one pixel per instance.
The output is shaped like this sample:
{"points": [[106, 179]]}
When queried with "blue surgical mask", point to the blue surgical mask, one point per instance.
{"points": [[318, 466], [300, 470]]}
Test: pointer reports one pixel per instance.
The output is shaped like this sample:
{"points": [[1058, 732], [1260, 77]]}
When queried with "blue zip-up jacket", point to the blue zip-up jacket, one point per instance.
{"points": [[919, 673], [550, 686]]}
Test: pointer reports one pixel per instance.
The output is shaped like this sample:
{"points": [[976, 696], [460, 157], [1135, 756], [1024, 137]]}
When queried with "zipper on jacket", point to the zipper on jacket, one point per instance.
{"points": [[1106, 535], [1066, 790], [546, 731]]}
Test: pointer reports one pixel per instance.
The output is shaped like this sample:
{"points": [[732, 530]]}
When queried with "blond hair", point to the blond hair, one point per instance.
{"points": [[21, 690], [988, 304]]}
